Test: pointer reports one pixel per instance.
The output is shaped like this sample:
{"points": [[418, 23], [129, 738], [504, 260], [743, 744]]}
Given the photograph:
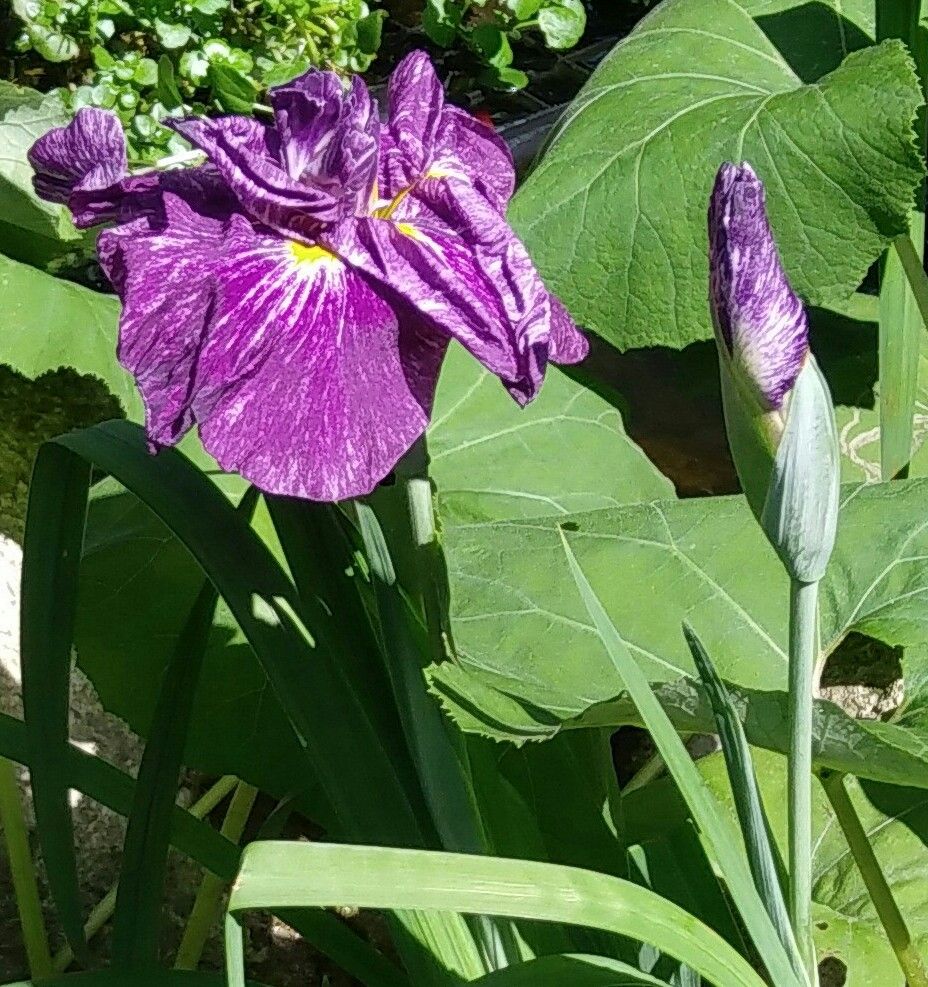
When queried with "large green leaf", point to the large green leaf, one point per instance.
{"points": [[25, 115], [615, 214], [845, 923], [530, 663], [48, 323], [567, 451]]}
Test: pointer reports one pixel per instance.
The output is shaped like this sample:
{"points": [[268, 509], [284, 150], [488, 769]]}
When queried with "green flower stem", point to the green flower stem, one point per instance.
{"points": [[22, 869], [102, 912], [897, 932], [208, 903], [803, 635]]}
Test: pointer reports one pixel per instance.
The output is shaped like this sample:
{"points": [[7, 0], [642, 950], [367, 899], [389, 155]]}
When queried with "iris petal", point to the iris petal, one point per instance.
{"points": [[416, 100], [439, 275], [299, 375], [246, 153]]}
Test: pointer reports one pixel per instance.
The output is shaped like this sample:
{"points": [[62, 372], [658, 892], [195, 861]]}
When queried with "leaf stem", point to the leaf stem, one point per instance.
{"points": [[25, 888], [803, 635], [897, 932], [208, 903]]}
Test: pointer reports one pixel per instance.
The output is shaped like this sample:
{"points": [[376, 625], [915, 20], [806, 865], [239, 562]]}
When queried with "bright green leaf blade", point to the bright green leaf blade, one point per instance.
{"points": [[901, 336], [320, 875], [725, 845], [615, 213], [508, 583], [578, 970], [492, 460], [48, 323], [754, 825], [673, 863]]}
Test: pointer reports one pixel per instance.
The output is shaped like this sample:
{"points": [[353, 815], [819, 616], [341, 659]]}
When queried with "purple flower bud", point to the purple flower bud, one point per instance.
{"points": [[778, 412], [758, 318]]}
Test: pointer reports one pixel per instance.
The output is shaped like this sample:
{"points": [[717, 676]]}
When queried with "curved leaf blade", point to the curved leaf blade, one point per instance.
{"points": [[305, 875]]}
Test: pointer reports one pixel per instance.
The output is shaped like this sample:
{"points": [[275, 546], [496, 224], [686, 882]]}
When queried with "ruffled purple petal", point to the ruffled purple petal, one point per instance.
{"points": [[453, 203], [299, 376], [90, 153], [317, 165], [416, 102], [84, 165], [246, 153], [165, 274], [467, 145], [481, 299], [426, 138], [567, 344], [329, 137], [322, 390], [757, 315]]}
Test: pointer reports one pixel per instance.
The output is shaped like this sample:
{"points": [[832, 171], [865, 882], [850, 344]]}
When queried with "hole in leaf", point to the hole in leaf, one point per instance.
{"points": [[570, 526], [862, 660], [832, 972], [822, 925], [863, 677]]}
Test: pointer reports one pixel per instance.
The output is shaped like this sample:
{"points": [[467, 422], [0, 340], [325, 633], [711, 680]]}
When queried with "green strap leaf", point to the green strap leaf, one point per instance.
{"points": [[754, 825], [576, 969], [51, 557], [316, 875]]}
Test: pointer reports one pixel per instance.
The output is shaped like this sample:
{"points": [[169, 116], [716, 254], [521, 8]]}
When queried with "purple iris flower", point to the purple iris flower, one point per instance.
{"points": [[294, 296], [759, 320]]}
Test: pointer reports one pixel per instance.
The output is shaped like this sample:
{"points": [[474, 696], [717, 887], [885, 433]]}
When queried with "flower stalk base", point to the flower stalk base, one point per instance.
{"points": [[803, 641]]}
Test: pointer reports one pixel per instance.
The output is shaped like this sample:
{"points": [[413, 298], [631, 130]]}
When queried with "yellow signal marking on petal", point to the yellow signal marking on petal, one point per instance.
{"points": [[387, 210], [407, 229], [305, 253]]}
